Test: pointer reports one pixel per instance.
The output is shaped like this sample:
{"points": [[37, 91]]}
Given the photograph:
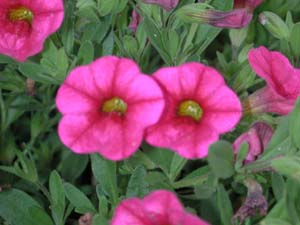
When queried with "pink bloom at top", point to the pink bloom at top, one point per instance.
{"points": [[250, 4], [25, 24], [166, 4], [257, 137], [160, 207], [283, 82], [199, 107], [106, 107]]}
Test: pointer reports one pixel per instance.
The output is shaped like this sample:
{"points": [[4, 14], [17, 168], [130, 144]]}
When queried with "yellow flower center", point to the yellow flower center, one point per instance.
{"points": [[20, 13], [114, 104], [190, 108]]}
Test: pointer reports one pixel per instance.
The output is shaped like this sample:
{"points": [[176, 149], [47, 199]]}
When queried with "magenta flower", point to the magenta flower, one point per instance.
{"points": [[283, 83], [199, 107], [106, 107], [25, 24], [158, 208], [257, 137], [239, 17], [166, 4]]}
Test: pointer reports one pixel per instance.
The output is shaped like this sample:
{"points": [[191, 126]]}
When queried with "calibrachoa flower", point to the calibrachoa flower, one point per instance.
{"points": [[283, 83], [199, 107], [158, 208], [25, 24], [106, 107], [239, 17], [257, 137], [166, 4]]}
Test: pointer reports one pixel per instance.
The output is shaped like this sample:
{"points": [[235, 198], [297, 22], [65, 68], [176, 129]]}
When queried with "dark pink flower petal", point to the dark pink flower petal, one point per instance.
{"points": [[159, 207], [136, 18], [250, 4], [106, 107], [166, 4], [201, 90], [21, 38], [257, 137], [276, 69]]}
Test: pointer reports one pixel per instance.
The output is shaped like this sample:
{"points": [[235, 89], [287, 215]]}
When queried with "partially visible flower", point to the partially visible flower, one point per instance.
{"points": [[199, 107], [106, 107], [239, 17], [283, 83], [255, 203], [86, 219], [257, 137], [166, 4], [24, 25], [249, 4], [160, 207], [136, 19]]}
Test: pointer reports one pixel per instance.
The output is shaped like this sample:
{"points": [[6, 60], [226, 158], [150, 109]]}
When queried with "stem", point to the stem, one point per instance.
{"points": [[44, 190]]}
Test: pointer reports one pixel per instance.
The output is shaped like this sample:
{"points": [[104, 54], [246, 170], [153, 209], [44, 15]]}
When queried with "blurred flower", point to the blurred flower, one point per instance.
{"points": [[136, 18], [159, 207], [86, 219], [166, 4], [199, 107], [283, 83], [257, 137], [24, 25], [254, 203], [239, 17], [106, 107]]}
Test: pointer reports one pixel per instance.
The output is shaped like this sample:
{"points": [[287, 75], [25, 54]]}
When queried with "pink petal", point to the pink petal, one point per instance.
{"points": [[78, 93], [223, 104], [276, 69], [112, 136], [267, 100], [188, 139]]}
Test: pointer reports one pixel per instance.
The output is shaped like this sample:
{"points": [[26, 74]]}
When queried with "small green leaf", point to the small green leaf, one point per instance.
{"points": [[105, 173], [220, 159], [224, 205], [137, 186], [294, 39], [294, 125], [78, 199], [288, 166]]}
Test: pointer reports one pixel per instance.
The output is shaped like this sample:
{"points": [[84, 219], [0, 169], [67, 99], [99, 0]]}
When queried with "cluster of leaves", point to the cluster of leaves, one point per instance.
{"points": [[42, 182]]}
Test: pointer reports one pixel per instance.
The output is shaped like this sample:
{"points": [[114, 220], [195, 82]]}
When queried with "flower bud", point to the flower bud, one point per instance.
{"points": [[275, 25]]}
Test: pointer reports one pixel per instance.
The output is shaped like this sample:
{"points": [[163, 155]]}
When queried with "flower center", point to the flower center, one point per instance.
{"points": [[190, 108], [20, 13], [114, 104]]}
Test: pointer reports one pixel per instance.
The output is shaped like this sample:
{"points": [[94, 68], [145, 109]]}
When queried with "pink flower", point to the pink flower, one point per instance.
{"points": [[158, 208], [166, 4], [136, 19], [283, 83], [106, 107], [257, 137], [199, 107], [25, 24]]}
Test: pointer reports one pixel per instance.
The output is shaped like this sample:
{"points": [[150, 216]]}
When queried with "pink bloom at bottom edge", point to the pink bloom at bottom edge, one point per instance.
{"points": [[160, 207], [24, 25], [106, 107], [199, 107]]}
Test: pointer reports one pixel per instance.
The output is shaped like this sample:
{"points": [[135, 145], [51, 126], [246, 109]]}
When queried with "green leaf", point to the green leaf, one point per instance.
{"points": [[220, 159], [278, 185], [288, 166], [176, 166], [17, 208], [224, 205], [208, 188], [294, 39], [99, 219], [294, 125], [36, 72], [56, 188], [274, 222], [85, 53], [105, 173], [137, 186], [78, 199]]}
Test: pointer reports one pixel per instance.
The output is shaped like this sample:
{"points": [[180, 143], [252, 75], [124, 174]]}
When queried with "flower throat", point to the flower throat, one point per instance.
{"points": [[19, 14]]}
